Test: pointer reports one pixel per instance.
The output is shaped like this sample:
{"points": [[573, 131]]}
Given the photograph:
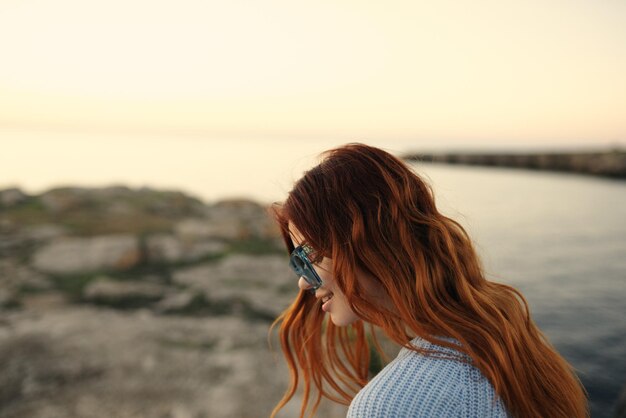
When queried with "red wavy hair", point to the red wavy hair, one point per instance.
{"points": [[366, 209]]}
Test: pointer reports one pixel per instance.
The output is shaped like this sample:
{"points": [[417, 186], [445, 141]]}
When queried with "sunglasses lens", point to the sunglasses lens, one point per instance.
{"points": [[298, 263], [302, 268]]}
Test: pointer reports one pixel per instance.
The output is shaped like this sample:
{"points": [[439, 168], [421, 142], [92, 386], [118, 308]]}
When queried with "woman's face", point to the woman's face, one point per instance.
{"points": [[332, 300]]}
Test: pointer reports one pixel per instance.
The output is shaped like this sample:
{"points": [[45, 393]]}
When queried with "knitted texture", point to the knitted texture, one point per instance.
{"points": [[416, 385]]}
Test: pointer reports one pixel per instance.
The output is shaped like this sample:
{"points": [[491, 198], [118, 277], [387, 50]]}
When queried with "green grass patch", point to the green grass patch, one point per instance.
{"points": [[200, 305], [91, 223], [11, 303], [29, 212], [127, 302], [74, 284], [28, 289]]}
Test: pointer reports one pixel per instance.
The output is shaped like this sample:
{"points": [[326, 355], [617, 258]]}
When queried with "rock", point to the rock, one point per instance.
{"points": [[19, 242], [264, 284], [266, 270], [16, 278], [82, 361], [77, 255], [163, 248], [167, 248], [13, 245], [170, 204], [202, 229], [62, 199], [230, 220], [123, 293], [612, 165], [176, 302], [254, 219], [44, 301], [203, 249], [241, 208], [12, 197], [8, 299], [33, 366], [608, 163], [44, 232], [123, 202], [7, 226]]}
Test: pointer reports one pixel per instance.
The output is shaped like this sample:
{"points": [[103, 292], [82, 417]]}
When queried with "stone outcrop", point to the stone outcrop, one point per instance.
{"points": [[168, 248], [230, 220], [178, 302], [16, 278], [119, 200], [101, 363], [264, 283], [140, 303], [197, 229], [106, 291], [11, 197], [79, 255]]}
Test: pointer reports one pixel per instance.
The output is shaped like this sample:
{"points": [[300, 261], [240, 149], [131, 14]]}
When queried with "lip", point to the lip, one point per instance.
{"points": [[324, 295], [326, 305], [326, 300]]}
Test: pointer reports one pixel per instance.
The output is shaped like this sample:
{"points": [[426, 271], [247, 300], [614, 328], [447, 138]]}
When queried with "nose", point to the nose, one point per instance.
{"points": [[303, 284]]}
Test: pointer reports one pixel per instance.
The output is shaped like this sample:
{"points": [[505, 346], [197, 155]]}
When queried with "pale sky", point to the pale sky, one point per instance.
{"points": [[453, 70]]}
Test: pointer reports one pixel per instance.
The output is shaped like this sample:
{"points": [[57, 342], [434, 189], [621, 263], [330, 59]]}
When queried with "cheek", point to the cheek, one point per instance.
{"points": [[326, 277], [324, 270], [341, 313]]}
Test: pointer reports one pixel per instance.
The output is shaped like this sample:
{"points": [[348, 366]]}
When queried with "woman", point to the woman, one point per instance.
{"points": [[370, 246]]}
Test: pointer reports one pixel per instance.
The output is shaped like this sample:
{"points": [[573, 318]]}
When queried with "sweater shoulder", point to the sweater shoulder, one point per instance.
{"points": [[420, 385]]}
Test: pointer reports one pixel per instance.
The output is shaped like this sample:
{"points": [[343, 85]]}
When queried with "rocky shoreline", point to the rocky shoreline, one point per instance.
{"points": [[610, 163], [140, 303]]}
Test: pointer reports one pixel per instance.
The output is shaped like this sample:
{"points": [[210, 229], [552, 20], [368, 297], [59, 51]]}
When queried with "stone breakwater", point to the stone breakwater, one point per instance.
{"points": [[602, 163], [121, 302]]}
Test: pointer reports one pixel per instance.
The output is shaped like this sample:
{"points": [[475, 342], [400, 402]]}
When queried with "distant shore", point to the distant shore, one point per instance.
{"points": [[607, 163]]}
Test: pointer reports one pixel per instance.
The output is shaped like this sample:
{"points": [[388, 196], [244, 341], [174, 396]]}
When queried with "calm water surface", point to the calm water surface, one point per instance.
{"points": [[561, 240]]}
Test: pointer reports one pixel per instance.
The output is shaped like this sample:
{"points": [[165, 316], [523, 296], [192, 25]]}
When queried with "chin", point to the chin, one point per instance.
{"points": [[343, 320]]}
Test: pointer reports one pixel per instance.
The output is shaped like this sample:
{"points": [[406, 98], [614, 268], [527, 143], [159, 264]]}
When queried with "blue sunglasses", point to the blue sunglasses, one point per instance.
{"points": [[300, 263]]}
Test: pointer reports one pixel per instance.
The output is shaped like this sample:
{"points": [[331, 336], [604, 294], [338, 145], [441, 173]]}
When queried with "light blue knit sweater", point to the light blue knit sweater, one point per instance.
{"points": [[415, 385]]}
